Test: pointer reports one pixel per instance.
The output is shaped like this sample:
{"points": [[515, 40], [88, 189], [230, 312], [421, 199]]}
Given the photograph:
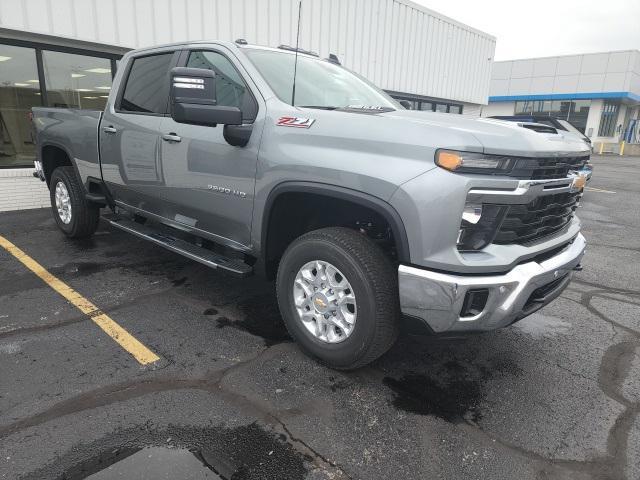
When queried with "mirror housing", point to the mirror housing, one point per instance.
{"points": [[405, 103], [193, 99]]}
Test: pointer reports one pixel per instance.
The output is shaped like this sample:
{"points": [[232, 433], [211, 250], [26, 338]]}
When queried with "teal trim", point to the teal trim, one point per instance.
{"points": [[566, 96]]}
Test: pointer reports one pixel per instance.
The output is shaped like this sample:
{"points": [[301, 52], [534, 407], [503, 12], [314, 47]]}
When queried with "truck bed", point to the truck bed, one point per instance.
{"points": [[73, 130]]}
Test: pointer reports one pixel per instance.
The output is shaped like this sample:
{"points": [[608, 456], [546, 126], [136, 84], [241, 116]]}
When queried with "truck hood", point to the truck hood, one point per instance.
{"points": [[496, 136], [376, 152]]}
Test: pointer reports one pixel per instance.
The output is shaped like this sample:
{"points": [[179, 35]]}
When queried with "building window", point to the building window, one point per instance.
{"points": [[19, 91], [76, 81], [573, 111], [418, 103], [608, 119], [523, 108], [34, 75]]}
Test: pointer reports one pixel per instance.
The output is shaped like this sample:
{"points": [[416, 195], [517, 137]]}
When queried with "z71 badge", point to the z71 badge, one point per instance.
{"points": [[296, 122]]}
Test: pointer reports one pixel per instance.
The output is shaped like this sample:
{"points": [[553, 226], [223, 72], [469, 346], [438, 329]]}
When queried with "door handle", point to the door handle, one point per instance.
{"points": [[109, 129], [171, 138]]}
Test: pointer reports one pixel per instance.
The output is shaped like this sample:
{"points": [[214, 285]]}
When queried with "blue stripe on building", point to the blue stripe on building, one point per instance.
{"points": [[566, 96]]}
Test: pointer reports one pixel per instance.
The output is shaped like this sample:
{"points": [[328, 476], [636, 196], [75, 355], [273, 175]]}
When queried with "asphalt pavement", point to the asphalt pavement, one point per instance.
{"points": [[555, 396]]}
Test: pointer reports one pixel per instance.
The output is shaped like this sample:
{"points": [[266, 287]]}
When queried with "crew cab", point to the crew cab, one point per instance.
{"points": [[367, 215]]}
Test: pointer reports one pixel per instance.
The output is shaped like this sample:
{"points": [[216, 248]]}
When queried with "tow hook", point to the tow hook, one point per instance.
{"points": [[578, 268]]}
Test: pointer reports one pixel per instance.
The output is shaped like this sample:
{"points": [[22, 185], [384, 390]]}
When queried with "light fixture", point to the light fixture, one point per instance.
{"points": [[33, 81], [83, 89], [99, 70], [77, 75], [4, 59], [21, 84], [471, 162], [104, 96], [472, 213], [90, 98], [479, 225], [104, 88]]}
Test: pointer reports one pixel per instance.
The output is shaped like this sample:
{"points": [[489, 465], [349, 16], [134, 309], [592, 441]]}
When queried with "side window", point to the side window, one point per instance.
{"points": [[147, 87], [231, 91]]}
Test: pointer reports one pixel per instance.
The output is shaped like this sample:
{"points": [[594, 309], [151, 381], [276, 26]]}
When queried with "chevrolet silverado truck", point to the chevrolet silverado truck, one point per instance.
{"points": [[367, 215]]}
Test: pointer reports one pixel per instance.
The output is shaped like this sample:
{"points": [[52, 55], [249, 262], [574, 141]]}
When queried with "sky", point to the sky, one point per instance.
{"points": [[543, 28]]}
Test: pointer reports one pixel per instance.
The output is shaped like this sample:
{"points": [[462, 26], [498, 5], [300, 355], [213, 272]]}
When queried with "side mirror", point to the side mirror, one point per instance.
{"points": [[193, 99], [406, 104]]}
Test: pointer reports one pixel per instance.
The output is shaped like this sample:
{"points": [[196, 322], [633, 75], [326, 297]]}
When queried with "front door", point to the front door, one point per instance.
{"points": [[209, 183], [130, 132]]}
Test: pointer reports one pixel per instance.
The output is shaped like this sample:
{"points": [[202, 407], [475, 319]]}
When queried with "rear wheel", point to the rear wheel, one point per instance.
{"points": [[75, 216], [338, 295]]}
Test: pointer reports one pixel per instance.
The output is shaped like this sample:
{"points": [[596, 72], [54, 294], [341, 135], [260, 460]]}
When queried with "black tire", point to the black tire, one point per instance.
{"points": [[375, 286], [84, 215]]}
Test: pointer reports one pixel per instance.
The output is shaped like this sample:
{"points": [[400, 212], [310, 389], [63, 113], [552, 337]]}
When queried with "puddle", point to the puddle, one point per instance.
{"points": [[80, 269], [178, 282], [10, 348], [156, 463], [188, 453], [455, 400], [540, 326], [261, 317]]}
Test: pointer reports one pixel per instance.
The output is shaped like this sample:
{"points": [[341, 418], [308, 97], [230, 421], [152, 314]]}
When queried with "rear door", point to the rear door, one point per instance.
{"points": [[129, 132], [209, 183]]}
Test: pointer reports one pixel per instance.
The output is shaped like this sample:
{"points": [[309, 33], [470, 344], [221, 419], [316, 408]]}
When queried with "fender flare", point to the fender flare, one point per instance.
{"points": [[65, 150], [360, 198]]}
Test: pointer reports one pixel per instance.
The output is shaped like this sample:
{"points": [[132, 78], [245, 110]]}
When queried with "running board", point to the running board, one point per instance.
{"points": [[181, 247]]}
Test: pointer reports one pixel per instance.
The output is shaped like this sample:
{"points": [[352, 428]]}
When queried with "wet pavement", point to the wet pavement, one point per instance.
{"points": [[556, 396]]}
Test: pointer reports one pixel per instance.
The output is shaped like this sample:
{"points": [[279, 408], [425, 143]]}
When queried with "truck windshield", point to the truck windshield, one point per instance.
{"points": [[319, 83]]}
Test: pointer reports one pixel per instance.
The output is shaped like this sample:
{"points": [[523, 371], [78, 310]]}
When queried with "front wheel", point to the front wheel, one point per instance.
{"points": [[75, 216], [338, 295]]}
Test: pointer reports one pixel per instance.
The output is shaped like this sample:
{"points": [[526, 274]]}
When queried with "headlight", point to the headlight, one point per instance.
{"points": [[469, 162]]}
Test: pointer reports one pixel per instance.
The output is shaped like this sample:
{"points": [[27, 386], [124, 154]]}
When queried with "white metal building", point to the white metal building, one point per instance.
{"points": [[64, 53], [598, 92]]}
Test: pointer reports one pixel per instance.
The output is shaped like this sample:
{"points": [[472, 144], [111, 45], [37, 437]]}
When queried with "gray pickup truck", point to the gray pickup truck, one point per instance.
{"points": [[369, 216]]}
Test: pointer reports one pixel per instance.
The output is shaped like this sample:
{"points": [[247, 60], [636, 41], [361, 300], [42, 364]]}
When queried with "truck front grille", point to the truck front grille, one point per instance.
{"points": [[545, 168], [544, 216]]}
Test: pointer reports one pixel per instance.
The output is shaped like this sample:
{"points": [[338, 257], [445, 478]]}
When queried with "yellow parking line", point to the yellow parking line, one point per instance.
{"points": [[599, 190], [127, 341]]}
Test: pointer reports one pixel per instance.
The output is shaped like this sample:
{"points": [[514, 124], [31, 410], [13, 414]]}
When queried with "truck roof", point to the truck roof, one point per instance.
{"points": [[236, 44]]}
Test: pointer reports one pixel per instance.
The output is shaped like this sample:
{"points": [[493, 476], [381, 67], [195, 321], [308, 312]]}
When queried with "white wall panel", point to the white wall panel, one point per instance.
{"points": [[589, 73], [569, 65], [614, 82], [397, 44]]}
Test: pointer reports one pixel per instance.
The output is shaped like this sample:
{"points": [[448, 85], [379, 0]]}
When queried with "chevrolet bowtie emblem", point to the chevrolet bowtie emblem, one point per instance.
{"points": [[320, 303]]}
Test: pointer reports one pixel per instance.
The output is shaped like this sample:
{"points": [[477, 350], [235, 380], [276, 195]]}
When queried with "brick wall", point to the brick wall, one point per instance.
{"points": [[19, 189]]}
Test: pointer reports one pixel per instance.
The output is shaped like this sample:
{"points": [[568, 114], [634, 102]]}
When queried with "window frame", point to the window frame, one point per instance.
{"points": [[41, 47], [125, 80], [184, 59]]}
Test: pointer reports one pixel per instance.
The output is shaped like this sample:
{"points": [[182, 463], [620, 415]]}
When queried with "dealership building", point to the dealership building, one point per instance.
{"points": [[64, 53], [599, 93]]}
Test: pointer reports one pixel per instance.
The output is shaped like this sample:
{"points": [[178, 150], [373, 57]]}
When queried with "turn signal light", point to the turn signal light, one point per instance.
{"points": [[449, 160], [471, 162]]}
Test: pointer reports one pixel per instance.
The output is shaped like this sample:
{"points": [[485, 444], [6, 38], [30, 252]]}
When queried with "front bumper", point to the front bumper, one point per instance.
{"points": [[437, 298]]}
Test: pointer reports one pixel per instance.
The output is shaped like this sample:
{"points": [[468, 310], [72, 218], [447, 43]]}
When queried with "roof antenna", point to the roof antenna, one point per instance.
{"points": [[295, 62]]}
